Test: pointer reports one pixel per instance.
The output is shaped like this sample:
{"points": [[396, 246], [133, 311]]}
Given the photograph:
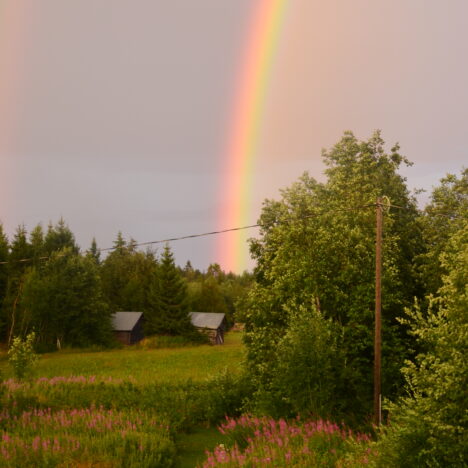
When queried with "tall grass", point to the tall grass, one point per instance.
{"points": [[267, 442], [141, 366], [124, 409], [44, 437]]}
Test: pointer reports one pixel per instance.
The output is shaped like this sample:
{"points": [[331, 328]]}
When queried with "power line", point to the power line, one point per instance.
{"points": [[140, 244], [241, 228], [193, 236]]}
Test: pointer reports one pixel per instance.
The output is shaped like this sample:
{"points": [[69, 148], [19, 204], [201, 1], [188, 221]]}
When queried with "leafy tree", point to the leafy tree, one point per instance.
{"points": [[429, 427], [441, 219], [310, 369], [317, 245], [206, 294], [169, 313], [65, 303]]}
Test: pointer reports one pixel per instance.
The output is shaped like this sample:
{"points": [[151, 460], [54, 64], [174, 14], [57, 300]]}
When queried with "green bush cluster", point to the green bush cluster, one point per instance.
{"points": [[21, 356]]}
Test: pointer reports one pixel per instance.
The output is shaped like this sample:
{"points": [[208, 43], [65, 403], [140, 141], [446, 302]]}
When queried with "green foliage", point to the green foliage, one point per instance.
{"points": [[168, 341], [21, 356], [317, 246], [429, 427], [94, 252], [444, 216], [12, 312], [58, 237], [266, 442], [64, 302], [309, 368], [155, 401], [216, 291], [127, 276], [85, 437], [37, 241], [168, 314]]}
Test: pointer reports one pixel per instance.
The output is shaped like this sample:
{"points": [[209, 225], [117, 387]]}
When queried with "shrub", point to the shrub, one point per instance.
{"points": [[21, 356], [307, 372], [428, 427]]}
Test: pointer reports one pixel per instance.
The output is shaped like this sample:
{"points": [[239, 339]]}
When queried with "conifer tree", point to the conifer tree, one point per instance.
{"points": [[59, 237], [37, 241], [65, 302], [169, 312], [94, 252], [126, 276]]}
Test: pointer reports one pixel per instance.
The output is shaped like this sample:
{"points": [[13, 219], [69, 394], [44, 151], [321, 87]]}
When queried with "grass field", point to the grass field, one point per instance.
{"points": [[124, 407], [172, 365]]}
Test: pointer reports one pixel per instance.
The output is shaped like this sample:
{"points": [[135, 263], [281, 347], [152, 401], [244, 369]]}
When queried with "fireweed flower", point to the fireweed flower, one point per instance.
{"points": [[278, 443]]}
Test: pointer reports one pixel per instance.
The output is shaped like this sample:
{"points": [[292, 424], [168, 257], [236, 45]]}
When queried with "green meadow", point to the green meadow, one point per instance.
{"points": [[141, 366], [123, 407]]}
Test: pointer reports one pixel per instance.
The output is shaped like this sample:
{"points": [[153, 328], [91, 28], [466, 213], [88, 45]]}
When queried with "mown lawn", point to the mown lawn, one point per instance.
{"points": [[173, 365]]}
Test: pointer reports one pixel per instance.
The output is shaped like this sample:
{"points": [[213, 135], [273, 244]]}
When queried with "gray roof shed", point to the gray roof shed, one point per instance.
{"points": [[125, 321], [211, 320]]}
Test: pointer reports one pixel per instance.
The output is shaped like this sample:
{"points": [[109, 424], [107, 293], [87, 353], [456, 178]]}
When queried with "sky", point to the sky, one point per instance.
{"points": [[116, 114]]}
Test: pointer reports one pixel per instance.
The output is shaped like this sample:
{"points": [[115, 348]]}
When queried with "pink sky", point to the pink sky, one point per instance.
{"points": [[117, 111]]}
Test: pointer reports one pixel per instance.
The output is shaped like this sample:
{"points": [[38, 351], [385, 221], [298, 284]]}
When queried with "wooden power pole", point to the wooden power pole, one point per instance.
{"points": [[378, 320]]}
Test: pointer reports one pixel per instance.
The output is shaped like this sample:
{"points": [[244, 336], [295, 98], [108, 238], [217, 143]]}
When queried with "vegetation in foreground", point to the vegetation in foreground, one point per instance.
{"points": [[52, 419], [264, 441]]}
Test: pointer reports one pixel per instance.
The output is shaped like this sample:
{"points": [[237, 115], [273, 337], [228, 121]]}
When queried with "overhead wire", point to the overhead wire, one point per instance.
{"points": [[222, 231]]}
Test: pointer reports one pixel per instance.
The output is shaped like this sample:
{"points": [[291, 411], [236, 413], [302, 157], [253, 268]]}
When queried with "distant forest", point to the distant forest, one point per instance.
{"points": [[67, 296]]}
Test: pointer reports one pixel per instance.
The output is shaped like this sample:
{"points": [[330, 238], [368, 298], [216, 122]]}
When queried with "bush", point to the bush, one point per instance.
{"points": [[429, 426], [307, 373], [21, 356]]}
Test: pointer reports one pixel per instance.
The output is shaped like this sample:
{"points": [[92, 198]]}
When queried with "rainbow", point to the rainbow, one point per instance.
{"points": [[249, 103]]}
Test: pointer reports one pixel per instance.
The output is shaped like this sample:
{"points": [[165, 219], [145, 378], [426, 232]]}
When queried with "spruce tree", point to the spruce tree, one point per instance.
{"points": [[94, 252], [60, 236], [37, 241], [65, 302], [126, 276], [169, 312]]}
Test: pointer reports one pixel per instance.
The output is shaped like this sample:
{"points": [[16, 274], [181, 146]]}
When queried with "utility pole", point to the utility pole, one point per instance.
{"points": [[378, 321]]}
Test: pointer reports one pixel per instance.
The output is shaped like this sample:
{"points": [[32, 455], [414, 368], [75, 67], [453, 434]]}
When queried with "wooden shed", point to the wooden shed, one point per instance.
{"points": [[211, 323], [128, 327]]}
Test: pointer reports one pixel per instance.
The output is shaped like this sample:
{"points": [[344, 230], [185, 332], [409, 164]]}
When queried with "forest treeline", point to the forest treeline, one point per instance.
{"points": [[68, 296]]}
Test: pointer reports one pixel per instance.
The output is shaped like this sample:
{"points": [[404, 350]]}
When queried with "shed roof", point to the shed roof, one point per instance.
{"points": [[125, 321], [210, 320]]}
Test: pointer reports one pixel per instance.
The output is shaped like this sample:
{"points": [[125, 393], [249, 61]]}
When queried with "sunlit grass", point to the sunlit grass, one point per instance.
{"points": [[173, 365]]}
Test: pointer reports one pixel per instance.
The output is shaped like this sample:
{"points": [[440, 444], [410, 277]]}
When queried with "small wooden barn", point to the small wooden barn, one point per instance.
{"points": [[128, 327], [211, 323]]}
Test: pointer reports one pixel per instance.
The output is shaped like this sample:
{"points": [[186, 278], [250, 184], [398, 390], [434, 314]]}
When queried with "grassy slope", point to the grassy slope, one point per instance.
{"points": [[143, 366], [175, 365]]}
